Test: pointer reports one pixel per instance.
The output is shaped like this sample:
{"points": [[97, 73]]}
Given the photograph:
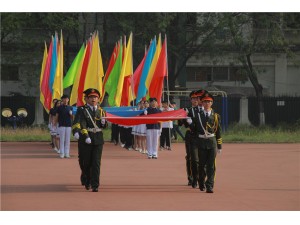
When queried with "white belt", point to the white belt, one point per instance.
{"points": [[94, 130], [206, 135]]}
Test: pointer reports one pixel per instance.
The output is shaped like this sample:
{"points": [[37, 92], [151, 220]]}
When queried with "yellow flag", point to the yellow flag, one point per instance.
{"points": [[94, 72], [127, 70], [153, 63], [42, 99]]}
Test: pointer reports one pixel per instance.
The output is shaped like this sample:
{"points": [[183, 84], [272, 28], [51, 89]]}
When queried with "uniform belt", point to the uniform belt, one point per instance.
{"points": [[94, 130], [205, 136]]}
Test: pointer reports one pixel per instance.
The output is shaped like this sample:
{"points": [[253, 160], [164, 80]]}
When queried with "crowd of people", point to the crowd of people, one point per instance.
{"points": [[202, 138]]}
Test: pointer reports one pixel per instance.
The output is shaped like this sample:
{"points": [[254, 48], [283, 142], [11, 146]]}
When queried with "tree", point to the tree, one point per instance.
{"points": [[255, 33]]}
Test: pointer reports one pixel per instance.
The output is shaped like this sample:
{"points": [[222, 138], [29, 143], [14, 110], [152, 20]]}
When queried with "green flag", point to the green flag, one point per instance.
{"points": [[70, 76], [113, 79]]}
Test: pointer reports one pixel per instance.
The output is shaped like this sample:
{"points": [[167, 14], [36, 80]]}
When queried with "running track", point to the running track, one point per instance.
{"points": [[250, 177]]}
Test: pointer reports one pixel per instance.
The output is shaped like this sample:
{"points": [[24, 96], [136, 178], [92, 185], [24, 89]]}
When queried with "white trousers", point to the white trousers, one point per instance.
{"points": [[64, 142], [152, 141]]}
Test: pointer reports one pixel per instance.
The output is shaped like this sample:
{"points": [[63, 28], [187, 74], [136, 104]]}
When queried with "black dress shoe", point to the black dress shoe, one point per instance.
{"points": [[209, 191], [194, 184], [87, 187], [202, 188], [95, 189]]}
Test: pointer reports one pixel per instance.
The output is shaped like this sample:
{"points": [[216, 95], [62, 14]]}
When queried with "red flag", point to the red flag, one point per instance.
{"points": [[45, 82], [83, 75], [147, 119]]}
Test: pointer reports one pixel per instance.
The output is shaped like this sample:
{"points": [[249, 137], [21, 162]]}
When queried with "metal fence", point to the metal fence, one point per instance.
{"points": [[277, 110]]}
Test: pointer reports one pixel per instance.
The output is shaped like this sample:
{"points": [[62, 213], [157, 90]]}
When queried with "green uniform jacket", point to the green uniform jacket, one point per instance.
{"points": [[212, 126], [83, 122]]}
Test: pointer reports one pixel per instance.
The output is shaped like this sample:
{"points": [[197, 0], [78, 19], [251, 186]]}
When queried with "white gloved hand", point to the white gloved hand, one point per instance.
{"points": [[88, 141], [103, 121], [189, 120], [76, 136], [145, 112], [70, 112], [219, 151]]}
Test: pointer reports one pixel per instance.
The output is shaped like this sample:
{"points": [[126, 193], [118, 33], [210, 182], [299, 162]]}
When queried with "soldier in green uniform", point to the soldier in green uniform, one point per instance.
{"points": [[76, 130], [188, 137], [207, 126], [91, 137], [192, 113]]}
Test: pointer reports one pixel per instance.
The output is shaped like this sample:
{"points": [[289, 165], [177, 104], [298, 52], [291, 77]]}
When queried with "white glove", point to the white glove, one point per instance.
{"points": [[145, 112], [103, 121], [219, 151], [189, 120], [76, 136], [70, 112], [49, 126], [88, 141]]}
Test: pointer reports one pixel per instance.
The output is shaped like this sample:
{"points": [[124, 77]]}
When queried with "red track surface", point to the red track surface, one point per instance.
{"points": [[249, 177]]}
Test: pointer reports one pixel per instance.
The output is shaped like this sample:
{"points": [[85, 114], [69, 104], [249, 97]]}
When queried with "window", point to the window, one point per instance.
{"points": [[220, 73], [9, 72], [202, 74], [237, 74]]}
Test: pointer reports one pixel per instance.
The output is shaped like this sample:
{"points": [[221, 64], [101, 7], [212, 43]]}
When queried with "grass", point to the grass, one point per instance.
{"points": [[235, 134]]}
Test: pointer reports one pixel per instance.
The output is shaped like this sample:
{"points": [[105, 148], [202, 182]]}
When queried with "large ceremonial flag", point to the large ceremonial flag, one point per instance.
{"points": [[71, 74], [111, 63], [124, 88], [147, 119], [53, 63], [45, 82], [94, 71], [142, 90], [161, 70], [74, 92], [80, 89], [42, 99], [113, 78], [58, 79], [153, 63], [137, 75]]}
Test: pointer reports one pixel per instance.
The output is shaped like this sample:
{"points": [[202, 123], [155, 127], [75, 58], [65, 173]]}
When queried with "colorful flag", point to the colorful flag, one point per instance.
{"points": [[113, 78], [137, 75], [147, 119], [142, 90], [80, 88], [156, 86], [109, 68], [58, 79], [153, 63], [74, 92], [94, 71], [42, 99], [123, 88], [45, 82], [71, 74]]}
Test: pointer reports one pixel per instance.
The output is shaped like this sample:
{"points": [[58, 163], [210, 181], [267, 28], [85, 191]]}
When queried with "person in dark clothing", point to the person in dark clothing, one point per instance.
{"points": [[208, 142], [76, 129], [91, 137], [153, 130]]}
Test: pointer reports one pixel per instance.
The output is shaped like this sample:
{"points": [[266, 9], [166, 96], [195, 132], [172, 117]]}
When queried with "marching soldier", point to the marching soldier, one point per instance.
{"points": [[76, 130], [208, 139], [192, 113], [188, 137], [91, 137]]}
